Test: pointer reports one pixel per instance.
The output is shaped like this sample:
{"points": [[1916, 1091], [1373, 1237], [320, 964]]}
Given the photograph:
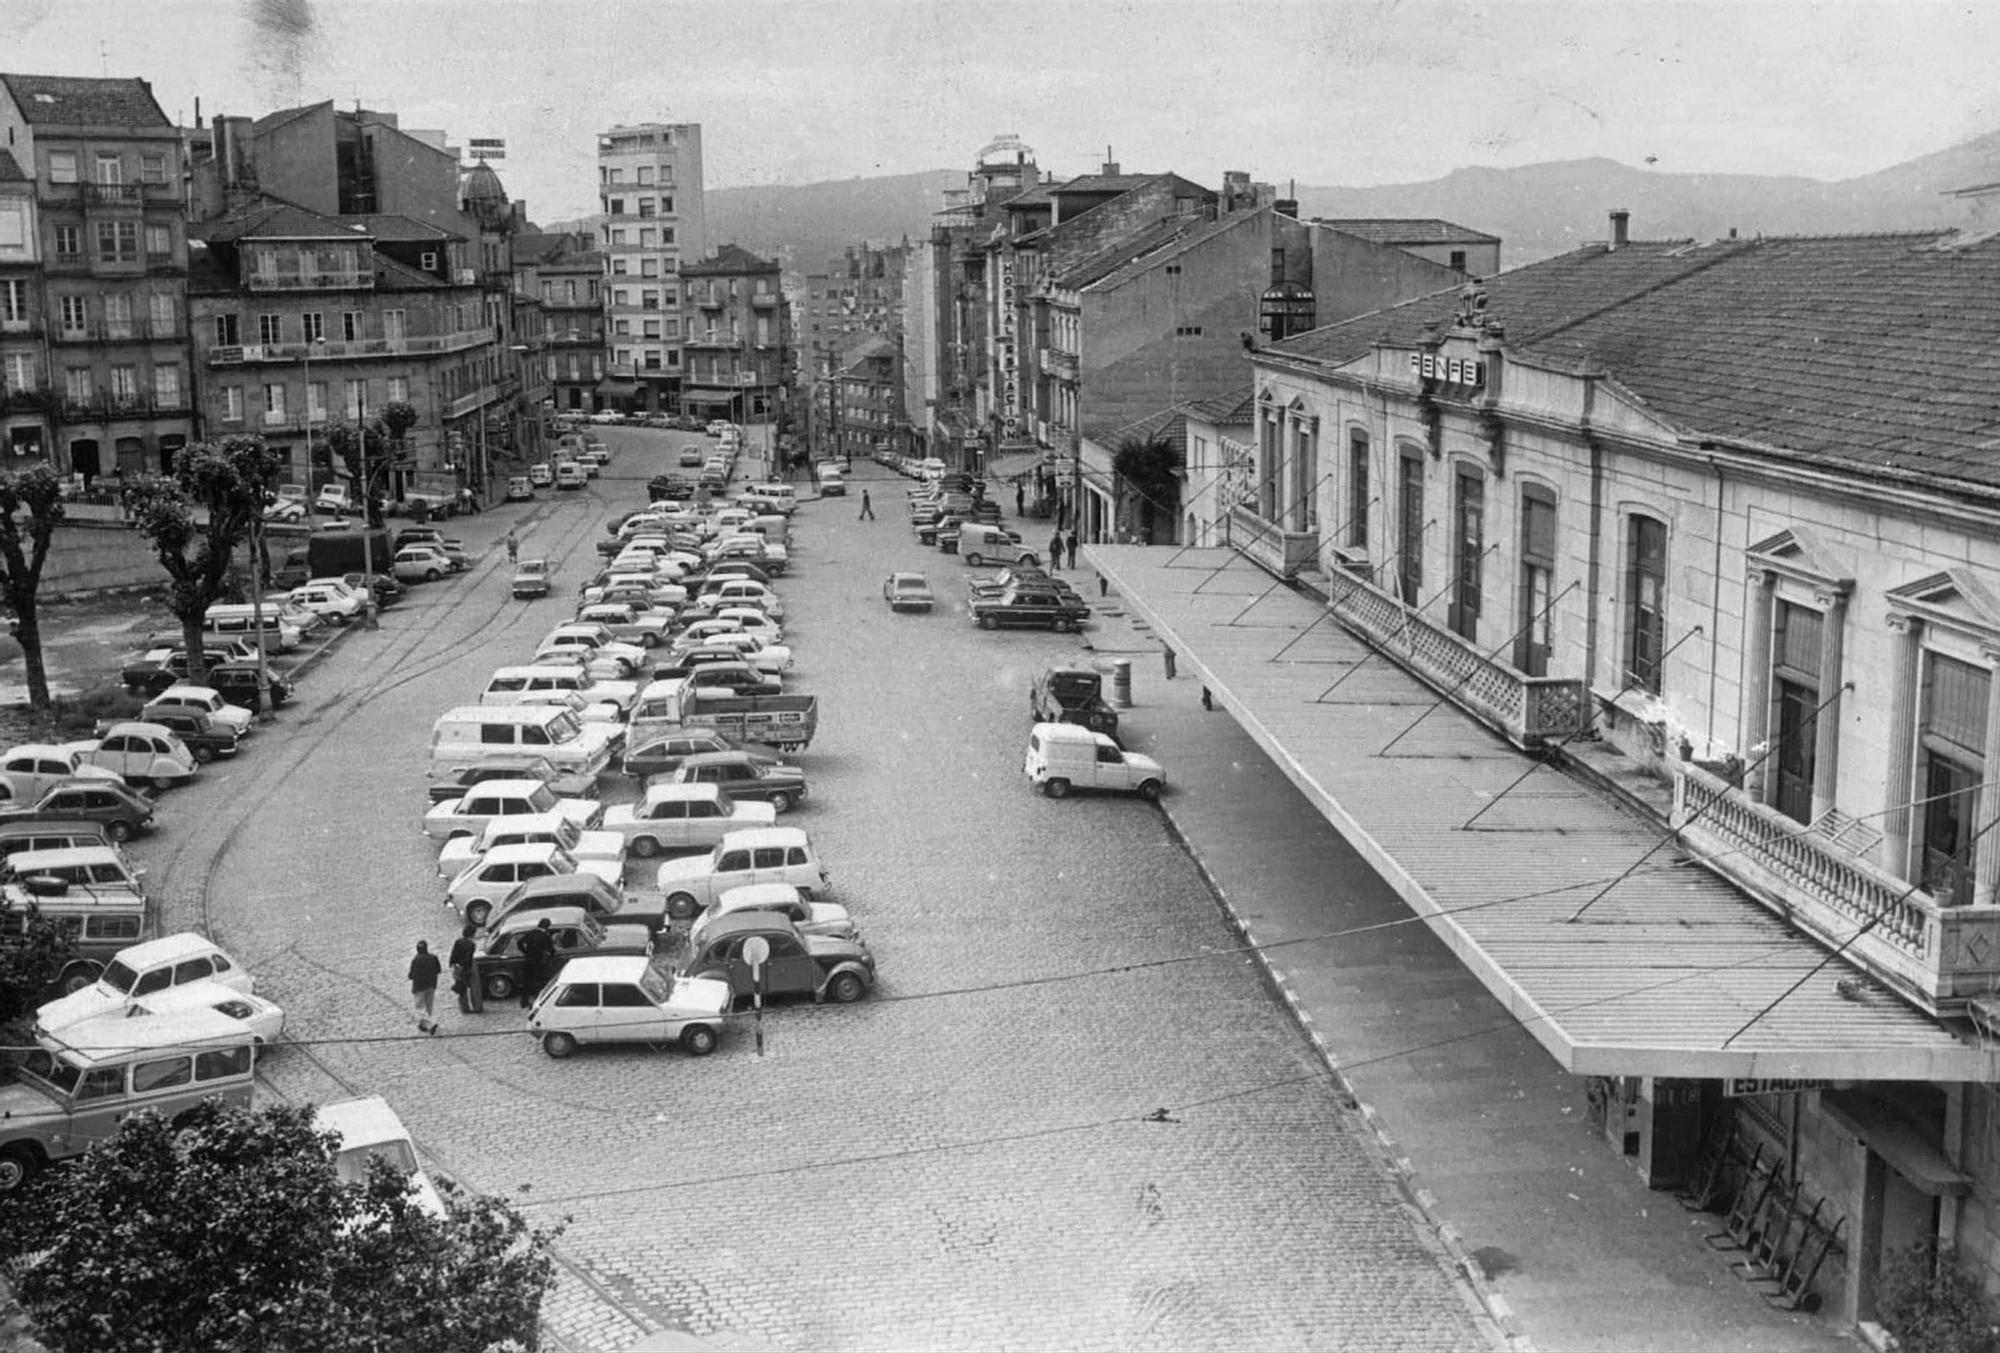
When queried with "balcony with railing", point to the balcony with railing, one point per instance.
{"points": [[1059, 364], [1936, 955], [250, 354], [1527, 710], [1270, 546], [27, 399], [138, 329], [314, 280], [25, 325], [765, 300], [103, 408], [472, 401]]}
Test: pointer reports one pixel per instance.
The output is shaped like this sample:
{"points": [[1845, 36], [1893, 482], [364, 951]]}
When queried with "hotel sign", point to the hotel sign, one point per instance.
{"points": [[1466, 371]]}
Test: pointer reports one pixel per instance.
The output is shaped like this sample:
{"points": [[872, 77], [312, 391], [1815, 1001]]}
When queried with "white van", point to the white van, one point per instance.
{"points": [[981, 543], [1066, 756], [229, 620], [515, 686], [774, 497], [577, 751]]}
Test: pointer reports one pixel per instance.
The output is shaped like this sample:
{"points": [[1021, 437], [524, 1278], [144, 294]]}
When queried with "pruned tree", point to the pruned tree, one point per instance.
{"points": [[196, 517], [231, 1231], [30, 508], [1150, 467]]}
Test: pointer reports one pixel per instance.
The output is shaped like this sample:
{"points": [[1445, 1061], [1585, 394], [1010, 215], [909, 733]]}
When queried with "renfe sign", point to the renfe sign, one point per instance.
{"points": [[1466, 371]]}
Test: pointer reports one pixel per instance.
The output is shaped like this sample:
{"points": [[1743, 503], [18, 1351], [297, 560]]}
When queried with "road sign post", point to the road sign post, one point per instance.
{"points": [[756, 952]]}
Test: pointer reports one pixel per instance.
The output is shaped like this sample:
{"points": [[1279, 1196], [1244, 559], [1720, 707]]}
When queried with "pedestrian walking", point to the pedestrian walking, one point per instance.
{"points": [[1020, 498], [1207, 700], [1167, 655], [1072, 551], [867, 508], [513, 548], [1055, 552], [465, 971], [424, 971], [538, 952]]}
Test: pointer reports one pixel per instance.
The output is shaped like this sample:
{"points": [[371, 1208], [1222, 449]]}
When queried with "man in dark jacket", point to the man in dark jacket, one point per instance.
{"points": [[424, 970], [538, 954], [465, 971]]}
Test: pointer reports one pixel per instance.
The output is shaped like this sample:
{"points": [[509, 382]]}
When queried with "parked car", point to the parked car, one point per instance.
{"points": [[1028, 608], [746, 777], [585, 844], [122, 813], [606, 901], [645, 628], [55, 834], [487, 880], [628, 999], [769, 658], [97, 871], [505, 797], [329, 597], [238, 683], [532, 578], [264, 1019], [519, 489], [593, 644], [386, 589], [823, 967], [907, 592], [575, 933], [541, 476], [202, 700], [778, 899], [1065, 756], [455, 781], [419, 564], [664, 752], [333, 499], [683, 816], [204, 736], [141, 752], [369, 1130], [993, 584], [34, 768], [1070, 694], [141, 971], [762, 855], [570, 475]]}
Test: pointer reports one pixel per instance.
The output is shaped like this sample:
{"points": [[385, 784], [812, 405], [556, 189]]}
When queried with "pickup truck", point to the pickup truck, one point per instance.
{"points": [[1073, 695], [787, 722]]}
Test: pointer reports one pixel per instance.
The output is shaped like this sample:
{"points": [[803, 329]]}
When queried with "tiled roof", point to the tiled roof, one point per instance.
{"points": [[82, 101], [1189, 233], [1168, 424], [10, 172], [1037, 196], [1104, 183], [272, 219], [284, 115], [1418, 230], [863, 349], [1870, 352], [1226, 410], [729, 258], [1104, 262], [390, 226]]}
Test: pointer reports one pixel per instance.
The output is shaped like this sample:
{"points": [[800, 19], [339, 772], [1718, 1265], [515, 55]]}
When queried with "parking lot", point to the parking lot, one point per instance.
{"points": [[1068, 1117]]}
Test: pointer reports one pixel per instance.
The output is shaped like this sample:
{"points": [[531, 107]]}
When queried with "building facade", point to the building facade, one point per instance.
{"points": [[650, 189], [739, 361], [571, 276], [26, 400], [866, 400], [106, 167], [1613, 499], [858, 294]]}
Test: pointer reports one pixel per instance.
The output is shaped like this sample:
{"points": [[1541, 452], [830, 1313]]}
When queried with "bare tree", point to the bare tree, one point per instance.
{"points": [[24, 548]]}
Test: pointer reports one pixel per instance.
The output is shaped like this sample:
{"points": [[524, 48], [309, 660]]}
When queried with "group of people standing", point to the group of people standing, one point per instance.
{"points": [[1058, 544], [538, 954]]}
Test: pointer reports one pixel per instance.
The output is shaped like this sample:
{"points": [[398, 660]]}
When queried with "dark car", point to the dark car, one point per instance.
{"points": [[677, 487], [605, 901], [452, 787], [123, 812], [1028, 608], [149, 675], [729, 568], [993, 584], [206, 738], [575, 932], [386, 589], [745, 776], [1066, 694], [238, 684], [797, 964], [664, 753]]}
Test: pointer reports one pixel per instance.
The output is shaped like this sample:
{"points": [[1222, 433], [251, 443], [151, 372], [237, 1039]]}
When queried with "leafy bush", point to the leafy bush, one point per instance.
{"points": [[1932, 1305]]}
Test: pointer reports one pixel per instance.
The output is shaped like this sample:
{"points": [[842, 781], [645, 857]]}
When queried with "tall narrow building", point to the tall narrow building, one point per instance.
{"points": [[106, 168], [650, 187]]}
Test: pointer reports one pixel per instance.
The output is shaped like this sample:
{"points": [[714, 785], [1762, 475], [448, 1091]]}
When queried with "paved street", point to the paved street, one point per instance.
{"points": [[966, 1159]]}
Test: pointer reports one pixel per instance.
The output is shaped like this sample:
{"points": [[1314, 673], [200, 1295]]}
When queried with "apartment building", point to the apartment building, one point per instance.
{"points": [[106, 170], [858, 294], [570, 275], [650, 189], [26, 410], [739, 340]]}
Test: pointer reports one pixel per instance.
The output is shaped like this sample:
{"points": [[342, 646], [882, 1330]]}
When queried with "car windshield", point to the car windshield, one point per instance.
{"points": [[352, 1164], [565, 728], [658, 984], [119, 977], [52, 1071], [542, 799]]}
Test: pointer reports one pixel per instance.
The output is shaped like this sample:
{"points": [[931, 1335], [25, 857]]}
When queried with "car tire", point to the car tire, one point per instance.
{"points": [[975, 559], [682, 906], [1149, 790], [162, 783], [431, 575], [79, 977], [1056, 788], [477, 910], [202, 755], [498, 986], [781, 803], [17, 1166], [558, 1044], [1029, 561], [846, 988], [645, 847], [119, 830], [699, 1040], [987, 622]]}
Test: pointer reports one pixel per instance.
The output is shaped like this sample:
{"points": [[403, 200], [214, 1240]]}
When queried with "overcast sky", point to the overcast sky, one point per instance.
{"points": [[1349, 92]]}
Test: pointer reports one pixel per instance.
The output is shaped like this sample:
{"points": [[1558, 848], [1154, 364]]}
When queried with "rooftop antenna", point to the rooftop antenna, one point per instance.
{"points": [[103, 59]]}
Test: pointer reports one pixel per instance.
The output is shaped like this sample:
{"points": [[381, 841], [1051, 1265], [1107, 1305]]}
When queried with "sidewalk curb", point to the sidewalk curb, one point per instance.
{"points": [[1505, 1331]]}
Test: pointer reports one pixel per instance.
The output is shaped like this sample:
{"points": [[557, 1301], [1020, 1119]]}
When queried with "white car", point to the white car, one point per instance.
{"points": [[744, 592], [369, 1128], [206, 700], [645, 628], [144, 970], [765, 657], [812, 918], [583, 843], [629, 999], [593, 643], [333, 498], [754, 620], [138, 751], [330, 597], [420, 564], [484, 884], [34, 768], [264, 1019]]}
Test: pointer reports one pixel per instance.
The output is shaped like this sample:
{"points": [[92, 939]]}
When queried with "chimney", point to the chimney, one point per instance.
{"points": [[1621, 221], [1110, 165], [1289, 205]]}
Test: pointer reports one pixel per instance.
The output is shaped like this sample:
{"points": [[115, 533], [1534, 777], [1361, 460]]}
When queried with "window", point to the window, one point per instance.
{"points": [[1645, 603], [652, 328], [222, 1064], [1277, 265], [646, 208], [232, 403], [614, 176], [1187, 331], [13, 300], [159, 241], [76, 385], [101, 1084], [666, 235], [270, 329], [649, 267], [666, 206], [645, 237], [62, 166], [392, 324], [226, 332], [1538, 566], [316, 399], [18, 371], [1952, 750], [160, 310], [355, 399], [1357, 490], [117, 242], [167, 385], [1468, 550], [350, 326], [618, 234], [399, 389], [124, 383], [1795, 651], [274, 404], [428, 260], [75, 316], [313, 326], [1410, 526], [617, 267], [616, 206], [109, 169], [153, 168], [117, 315], [69, 243], [1458, 260]]}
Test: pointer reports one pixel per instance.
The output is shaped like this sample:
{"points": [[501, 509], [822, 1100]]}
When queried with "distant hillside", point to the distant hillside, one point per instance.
{"points": [[804, 225]]}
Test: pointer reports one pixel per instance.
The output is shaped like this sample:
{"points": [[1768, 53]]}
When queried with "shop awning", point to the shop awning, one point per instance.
{"points": [[1622, 959], [617, 386], [1012, 463]]}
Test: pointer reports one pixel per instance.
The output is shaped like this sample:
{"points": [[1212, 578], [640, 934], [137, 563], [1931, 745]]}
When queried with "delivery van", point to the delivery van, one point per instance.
{"points": [[576, 750], [1066, 756]]}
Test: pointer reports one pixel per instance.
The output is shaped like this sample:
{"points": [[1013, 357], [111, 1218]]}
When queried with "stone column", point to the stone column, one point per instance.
{"points": [[1760, 592], [1833, 699], [1986, 849], [1899, 783]]}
